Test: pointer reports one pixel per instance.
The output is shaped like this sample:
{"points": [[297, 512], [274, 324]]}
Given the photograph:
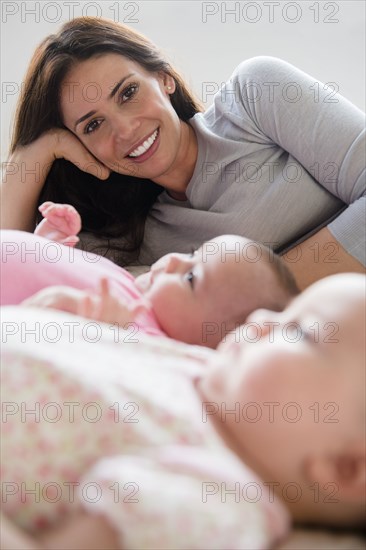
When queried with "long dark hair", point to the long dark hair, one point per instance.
{"points": [[116, 207]]}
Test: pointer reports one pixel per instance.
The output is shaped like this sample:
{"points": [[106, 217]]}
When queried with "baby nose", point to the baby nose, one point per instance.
{"points": [[171, 263], [263, 321], [174, 264]]}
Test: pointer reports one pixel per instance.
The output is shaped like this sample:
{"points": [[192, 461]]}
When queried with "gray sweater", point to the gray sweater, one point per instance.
{"points": [[280, 155]]}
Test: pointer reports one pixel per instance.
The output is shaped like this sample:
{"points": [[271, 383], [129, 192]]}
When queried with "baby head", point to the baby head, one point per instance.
{"points": [[297, 379], [199, 297]]}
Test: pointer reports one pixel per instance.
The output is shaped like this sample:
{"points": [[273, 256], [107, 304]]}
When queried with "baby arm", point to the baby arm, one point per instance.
{"points": [[61, 223], [64, 298], [104, 306], [82, 531], [100, 305], [12, 538]]}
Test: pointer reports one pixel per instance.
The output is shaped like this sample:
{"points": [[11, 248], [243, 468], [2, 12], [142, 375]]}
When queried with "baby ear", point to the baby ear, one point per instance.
{"points": [[350, 467], [346, 470]]}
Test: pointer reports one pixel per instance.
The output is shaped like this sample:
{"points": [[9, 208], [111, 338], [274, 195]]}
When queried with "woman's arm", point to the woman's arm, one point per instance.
{"points": [[26, 170], [324, 132], [319, 256]]}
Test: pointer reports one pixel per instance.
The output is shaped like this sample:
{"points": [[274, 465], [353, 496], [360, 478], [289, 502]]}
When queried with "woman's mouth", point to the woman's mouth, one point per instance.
{"points": [[146, 149]]}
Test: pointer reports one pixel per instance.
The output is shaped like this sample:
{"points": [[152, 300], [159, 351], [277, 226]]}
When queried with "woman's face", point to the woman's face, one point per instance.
{"points": [[123, 115]]}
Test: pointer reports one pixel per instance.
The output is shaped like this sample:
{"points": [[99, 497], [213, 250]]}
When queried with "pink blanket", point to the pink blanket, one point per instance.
{"points": [[30, 263]]}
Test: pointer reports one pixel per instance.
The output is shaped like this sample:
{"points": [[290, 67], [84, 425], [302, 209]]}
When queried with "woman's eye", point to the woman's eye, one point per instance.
{"points": [[91, 127], [128, 92]]}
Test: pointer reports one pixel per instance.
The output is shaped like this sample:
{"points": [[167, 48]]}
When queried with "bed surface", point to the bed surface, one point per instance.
{"points": [[307, 539]]}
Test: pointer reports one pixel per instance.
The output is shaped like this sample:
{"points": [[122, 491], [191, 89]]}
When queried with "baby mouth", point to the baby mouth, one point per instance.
{"points": [[145, 146]]}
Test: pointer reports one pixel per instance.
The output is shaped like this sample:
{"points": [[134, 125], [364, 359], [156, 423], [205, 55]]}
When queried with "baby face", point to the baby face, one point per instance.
{"points": [[192, 294], [295, 379]]}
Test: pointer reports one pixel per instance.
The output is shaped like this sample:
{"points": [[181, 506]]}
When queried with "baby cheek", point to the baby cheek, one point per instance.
{"points": [[158, 300], [264, 381], [163, 300]]}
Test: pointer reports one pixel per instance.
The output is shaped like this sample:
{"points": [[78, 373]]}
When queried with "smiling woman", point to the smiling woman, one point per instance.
{"points": [[113, 130], [96, 95], [133, 129]]}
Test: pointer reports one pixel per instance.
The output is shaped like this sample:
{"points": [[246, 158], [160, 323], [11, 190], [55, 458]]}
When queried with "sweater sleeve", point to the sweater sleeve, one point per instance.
{"points": [[319, 127]]}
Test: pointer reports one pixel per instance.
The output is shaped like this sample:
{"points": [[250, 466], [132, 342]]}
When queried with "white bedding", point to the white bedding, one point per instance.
{"points": [[307, 539]]}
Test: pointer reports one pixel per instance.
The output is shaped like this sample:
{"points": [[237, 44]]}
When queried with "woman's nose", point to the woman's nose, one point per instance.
{"points": [[125, 130]]}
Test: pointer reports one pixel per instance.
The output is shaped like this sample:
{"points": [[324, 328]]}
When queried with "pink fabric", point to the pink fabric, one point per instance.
{"points": [[30, 263]]}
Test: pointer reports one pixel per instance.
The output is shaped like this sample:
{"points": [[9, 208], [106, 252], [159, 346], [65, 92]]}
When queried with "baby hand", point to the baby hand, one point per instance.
{"points": [[100, 305], [64, 298], [103, 306], [61, 223]]}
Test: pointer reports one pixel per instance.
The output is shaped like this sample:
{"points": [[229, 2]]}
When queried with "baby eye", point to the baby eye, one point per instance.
{"points": [[128, 92], [308, 337], [92, 126], [292, 332], [303, 334], [190, 278]]}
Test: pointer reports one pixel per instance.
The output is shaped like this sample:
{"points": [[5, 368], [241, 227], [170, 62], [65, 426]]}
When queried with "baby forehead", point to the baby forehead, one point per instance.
{"points": [[234, 249], [344, 307], [227, 274]]}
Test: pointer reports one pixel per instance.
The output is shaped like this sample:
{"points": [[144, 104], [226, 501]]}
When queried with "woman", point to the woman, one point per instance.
{"points": [[276, 158]]}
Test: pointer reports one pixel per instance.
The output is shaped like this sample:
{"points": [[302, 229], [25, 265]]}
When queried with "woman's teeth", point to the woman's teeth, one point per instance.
{"points": [[145, 146]]}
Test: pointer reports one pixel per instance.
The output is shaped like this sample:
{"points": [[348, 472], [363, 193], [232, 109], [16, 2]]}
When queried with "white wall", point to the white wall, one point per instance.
{"points": [[205, 40]]}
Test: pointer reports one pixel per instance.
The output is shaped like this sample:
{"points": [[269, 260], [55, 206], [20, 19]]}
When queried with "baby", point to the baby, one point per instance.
{"points": [[229, 445], [195, 298]]}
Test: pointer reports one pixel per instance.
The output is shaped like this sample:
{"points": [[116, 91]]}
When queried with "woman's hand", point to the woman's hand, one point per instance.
{"points": [[25, 173], [61, 223], [65, 145]]}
